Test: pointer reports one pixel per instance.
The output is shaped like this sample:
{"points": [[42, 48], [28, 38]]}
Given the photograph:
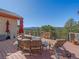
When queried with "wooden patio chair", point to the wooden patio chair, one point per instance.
{"points": [[19, 44], [36, 46], [25, 46], [59, 43]]}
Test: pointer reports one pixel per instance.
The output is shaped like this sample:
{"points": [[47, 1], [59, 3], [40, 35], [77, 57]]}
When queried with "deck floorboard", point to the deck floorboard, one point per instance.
{"points": [[9, 51]]}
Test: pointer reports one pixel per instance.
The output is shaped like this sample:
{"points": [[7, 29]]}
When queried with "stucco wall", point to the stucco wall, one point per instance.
{"points": [[12, 26]]}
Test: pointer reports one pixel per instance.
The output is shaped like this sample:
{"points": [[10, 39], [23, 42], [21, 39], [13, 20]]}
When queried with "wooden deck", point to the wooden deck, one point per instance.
{"points": [[8, 50]]}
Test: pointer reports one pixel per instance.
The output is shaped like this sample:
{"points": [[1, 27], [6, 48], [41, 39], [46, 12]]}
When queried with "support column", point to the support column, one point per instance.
{"points": [[21, 30]]}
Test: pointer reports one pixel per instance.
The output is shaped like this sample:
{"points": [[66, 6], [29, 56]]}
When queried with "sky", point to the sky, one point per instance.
{"points": [[43, 12]]}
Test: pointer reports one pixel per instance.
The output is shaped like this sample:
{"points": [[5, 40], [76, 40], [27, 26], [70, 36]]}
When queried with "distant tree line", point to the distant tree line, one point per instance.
{"points": [[56, 32]]}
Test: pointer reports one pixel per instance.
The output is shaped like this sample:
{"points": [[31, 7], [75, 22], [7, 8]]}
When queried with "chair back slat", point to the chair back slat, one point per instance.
{"points": [[59, 43], [25, 44], [36, 43]]}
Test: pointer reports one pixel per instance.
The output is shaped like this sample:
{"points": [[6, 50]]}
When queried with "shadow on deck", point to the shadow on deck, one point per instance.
{"points": [[19, 55], [8, 50]]}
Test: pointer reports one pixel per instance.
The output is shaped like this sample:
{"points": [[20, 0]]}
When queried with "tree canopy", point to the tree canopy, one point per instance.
{"points": [[60, 32], [47, 28]]}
